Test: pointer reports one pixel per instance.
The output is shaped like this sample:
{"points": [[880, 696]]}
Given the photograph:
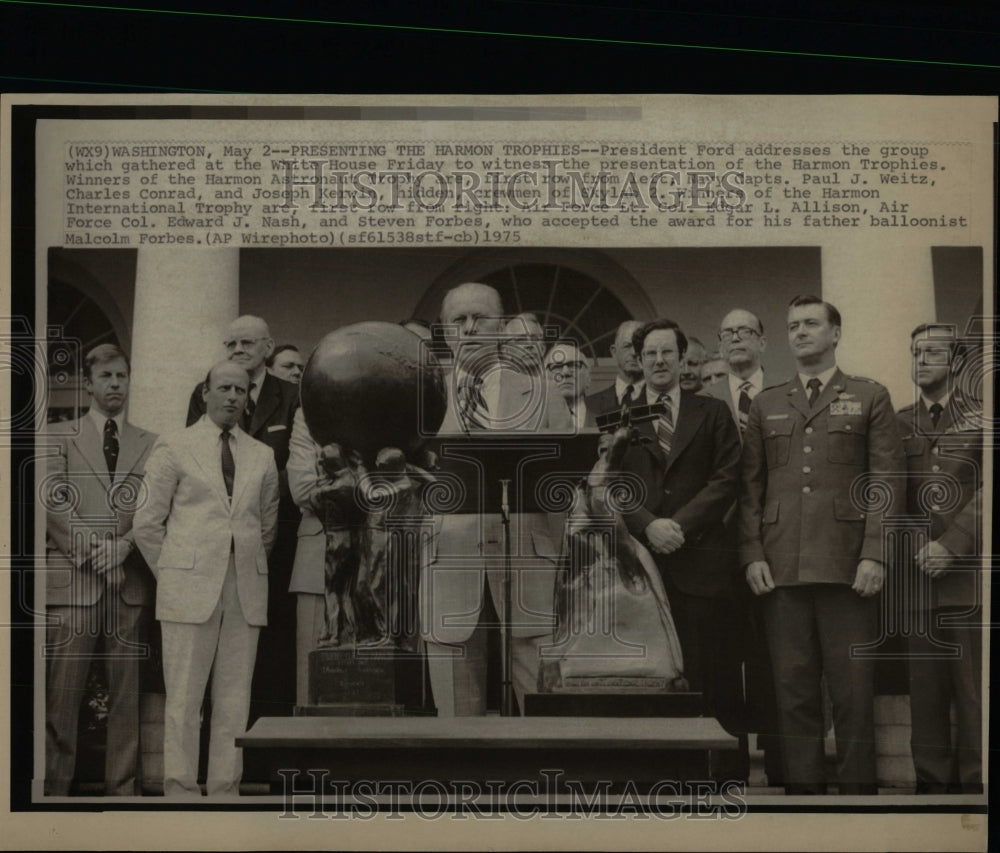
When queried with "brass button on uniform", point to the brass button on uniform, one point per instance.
{"points": [[809, 430], [806, 469], [935, 468], [806, 490], [847, 427], [807, 449]]}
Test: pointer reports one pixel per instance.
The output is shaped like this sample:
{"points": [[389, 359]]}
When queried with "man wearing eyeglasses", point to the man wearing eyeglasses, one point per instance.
{"points": [[943, 443], [688, 460], [569, 369], [462, 579], [268, 417], [741, 344]]}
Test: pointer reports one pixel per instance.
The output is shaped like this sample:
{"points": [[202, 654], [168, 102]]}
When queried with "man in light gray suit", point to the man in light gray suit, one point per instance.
{"points": [[97, 586], [461, 578], [206, 530]]}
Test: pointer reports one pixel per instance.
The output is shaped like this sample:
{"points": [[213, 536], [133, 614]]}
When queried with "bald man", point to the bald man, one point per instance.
{"points": [[569, 369], [268, 417], [461, 581], [629, 380], [205, 530]]}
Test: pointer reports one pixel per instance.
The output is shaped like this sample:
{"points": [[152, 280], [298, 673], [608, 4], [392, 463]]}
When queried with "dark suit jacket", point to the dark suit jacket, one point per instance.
{"points": [[953, 449], [79, 471], [694, 486], [799, 508], [604, 401]]}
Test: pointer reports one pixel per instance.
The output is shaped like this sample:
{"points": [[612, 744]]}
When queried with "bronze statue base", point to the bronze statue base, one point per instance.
{"points": [[365, 682]]}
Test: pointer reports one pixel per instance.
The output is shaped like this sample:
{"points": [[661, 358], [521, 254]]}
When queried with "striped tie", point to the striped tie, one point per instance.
{"points": [[475, 413], [665, 425], [744, 405]]}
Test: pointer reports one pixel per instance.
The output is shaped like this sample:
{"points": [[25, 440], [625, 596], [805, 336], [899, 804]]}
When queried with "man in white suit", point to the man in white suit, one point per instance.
{"points": [[98, 589], [461, 582], [206, 530]]}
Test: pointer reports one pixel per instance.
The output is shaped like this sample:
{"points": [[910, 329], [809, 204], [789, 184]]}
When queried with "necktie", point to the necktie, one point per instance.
{"points": [[111, 445], [626, 399], [744, 405], [665, 425], [249, 410], [228, 463], [936, 410], [813, 386], [475, 413]]}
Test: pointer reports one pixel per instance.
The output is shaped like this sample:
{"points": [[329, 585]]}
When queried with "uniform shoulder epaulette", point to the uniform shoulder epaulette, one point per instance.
{"points": [[776, 385], [862, 379], [907, 409]]}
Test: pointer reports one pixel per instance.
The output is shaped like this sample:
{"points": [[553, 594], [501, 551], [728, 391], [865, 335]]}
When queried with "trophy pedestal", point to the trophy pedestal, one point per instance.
{"points": [[365, 682]]}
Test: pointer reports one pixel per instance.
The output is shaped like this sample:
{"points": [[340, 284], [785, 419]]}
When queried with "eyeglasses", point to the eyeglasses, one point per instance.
{"points": [[245, 343], [657, 354], [740, 332], [564, 365]]}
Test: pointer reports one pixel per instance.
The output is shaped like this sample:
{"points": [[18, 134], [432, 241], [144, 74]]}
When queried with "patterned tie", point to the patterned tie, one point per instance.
{"points": [[744, 405], [111, 445], [936, 409], [249, 410], [228, 463], [626, 399], [813, 386], [475, 413], [665, 425]]}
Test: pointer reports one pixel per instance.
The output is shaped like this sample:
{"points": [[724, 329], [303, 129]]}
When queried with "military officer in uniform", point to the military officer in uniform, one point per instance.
{"points": [[943, 443], [812, 552]]}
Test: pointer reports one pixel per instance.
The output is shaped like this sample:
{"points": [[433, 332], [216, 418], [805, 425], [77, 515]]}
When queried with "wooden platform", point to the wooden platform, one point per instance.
{"points": [[640, 750]]}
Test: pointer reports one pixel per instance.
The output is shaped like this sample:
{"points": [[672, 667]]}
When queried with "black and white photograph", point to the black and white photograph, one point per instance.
{"points": [[549, 460]]}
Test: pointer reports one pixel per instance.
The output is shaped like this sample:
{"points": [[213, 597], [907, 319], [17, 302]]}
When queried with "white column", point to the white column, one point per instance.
{"points": [[184, 300], [883, 289]]}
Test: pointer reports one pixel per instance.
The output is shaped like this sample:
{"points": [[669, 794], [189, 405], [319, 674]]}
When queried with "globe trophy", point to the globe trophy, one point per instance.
{"points": [[371, 393]]}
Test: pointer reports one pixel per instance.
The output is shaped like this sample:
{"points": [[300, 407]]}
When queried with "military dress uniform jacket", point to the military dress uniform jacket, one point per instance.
{"points": [[797, 507], [950, 453]]}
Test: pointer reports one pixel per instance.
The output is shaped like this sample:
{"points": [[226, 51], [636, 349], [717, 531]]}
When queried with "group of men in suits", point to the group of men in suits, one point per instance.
{"points": [[186, 522], [742, 482]]}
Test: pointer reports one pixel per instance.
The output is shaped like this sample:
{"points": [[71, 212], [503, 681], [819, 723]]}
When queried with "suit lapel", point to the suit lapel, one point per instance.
{"points": [[267, 402], [91, 446], [243, 460], [798, 400], [647, 429], [687, 422], [134, 442], [207, 452]]}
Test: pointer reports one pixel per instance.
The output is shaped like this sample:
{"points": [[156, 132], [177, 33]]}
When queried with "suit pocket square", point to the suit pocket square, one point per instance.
{"points": [[276, 427]]}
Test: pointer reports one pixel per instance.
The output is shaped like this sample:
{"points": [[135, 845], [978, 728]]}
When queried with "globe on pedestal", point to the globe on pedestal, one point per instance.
{"points": [[373, 385]]}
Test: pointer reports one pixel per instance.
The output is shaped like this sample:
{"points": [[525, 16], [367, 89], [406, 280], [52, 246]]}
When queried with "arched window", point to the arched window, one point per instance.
{"points": [[584, 292]]}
